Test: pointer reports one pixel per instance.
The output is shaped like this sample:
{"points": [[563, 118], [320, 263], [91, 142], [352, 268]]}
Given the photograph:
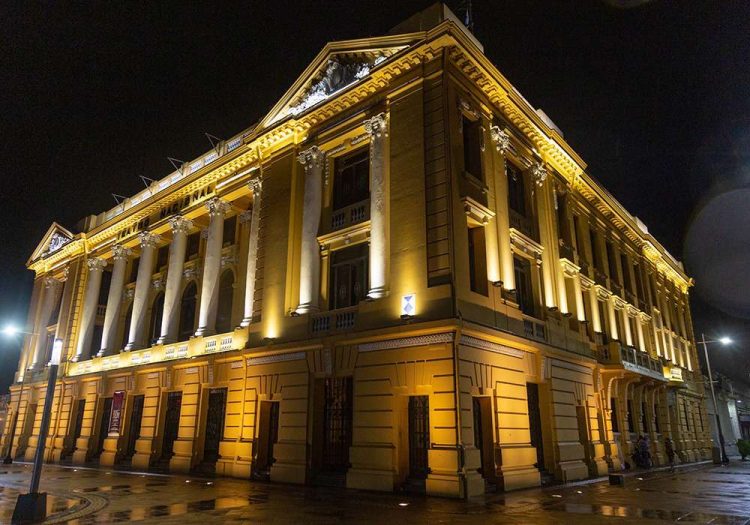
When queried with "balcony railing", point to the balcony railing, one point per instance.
{"points": [[335, 321], [522, 224], [534, 329], [101, 309], [567, 251], [633, 360], [195, 347], [350, 215]]}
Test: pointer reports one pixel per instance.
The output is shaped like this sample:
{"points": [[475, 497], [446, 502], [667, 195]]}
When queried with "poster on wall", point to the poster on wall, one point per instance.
{"points": [[115, 417]]}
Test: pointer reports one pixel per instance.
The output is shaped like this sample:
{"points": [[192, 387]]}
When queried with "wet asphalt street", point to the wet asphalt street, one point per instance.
{"points": [[703, 494]]}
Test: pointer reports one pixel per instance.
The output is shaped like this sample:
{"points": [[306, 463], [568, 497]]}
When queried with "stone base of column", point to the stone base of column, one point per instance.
{"points": [[306, 308], [182, 460], [203, 332], [165, 341], [109, 455], [246, 322], [377, 293], [132, 346]]}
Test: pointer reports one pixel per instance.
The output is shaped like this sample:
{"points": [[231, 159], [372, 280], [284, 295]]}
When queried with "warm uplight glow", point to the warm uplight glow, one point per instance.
{"points": [[725, 340]]}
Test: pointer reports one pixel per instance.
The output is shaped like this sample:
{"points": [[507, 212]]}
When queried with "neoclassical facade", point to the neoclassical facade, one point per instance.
{"points": [[402, 277]]}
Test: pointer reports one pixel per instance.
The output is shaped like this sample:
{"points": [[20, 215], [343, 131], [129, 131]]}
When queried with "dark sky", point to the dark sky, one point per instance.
{"points": [[653, 97]]}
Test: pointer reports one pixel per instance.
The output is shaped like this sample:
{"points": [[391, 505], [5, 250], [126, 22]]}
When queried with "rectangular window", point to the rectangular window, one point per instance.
{"points": [[162, 256], [516, 190], [351, 183], [348, 277], [639, 282], [626, 273], [524, 291], [134, 269], [596, 256], [193, 245], [104, 288], [612, 263], [563, 226], [230, 226], [477, 261], [472, 134]]}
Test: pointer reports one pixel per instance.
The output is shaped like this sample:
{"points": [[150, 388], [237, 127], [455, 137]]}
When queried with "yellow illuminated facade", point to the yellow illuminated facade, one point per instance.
{"points": [[401, 277]]}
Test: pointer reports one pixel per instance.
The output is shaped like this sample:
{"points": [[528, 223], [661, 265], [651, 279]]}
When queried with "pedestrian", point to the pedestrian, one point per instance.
{"points": [[645, 451], [669, 449]]}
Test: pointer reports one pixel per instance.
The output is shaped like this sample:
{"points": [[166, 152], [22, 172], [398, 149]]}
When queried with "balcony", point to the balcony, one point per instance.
{"points": [[350, 215], [334, 322], [195, 347], [522, 224], [534, 329], [567, 251], [632, 360]]}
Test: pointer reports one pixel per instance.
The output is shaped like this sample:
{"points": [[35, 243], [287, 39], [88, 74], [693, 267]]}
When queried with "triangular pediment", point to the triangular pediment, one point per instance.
{"points": [[339, 66], [55, 238]]}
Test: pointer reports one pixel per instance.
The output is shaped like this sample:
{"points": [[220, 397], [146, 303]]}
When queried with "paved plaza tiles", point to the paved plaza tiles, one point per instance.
{"points": [[704, 494]]}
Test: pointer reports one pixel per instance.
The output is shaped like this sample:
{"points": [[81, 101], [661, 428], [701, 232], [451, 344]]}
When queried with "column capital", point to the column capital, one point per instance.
{"points": [[246, 216], [256, 184], [121, 252], [539, 173], [500, 138], [180, 224], [217, 207], [96, 264], [312, 157], [376, 126], [148, 239], [51, 282]]}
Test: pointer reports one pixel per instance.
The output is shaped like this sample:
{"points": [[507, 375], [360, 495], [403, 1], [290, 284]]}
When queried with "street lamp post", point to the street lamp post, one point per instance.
{"points": [[724, 341], [32, 507]]}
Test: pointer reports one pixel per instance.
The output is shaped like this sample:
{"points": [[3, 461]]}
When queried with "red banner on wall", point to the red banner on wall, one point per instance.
{"points": [[115, 417]]}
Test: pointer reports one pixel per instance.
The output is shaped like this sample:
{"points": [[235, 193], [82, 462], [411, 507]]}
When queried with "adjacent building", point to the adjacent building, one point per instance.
{"points": [[401, 277]]}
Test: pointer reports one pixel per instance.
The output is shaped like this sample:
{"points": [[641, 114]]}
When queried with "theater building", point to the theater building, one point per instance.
{"points": [[401, 277]]}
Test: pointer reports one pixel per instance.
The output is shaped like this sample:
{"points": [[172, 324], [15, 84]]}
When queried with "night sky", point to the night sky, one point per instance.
{"points": [[654, 97]]}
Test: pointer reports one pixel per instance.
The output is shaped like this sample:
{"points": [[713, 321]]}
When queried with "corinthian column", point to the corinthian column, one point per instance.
{"points": [[252, 252], [545, 216], [502, 221], [217, 208], [90, 302], [377, 128], [49, 301], [171, 314], [114, 299], [309, 281], [142, 286]]}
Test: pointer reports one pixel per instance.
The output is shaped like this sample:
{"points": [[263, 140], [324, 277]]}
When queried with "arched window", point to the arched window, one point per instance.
{"points": [[187, 312], [224, 308], [126, 327], [157, 309]]}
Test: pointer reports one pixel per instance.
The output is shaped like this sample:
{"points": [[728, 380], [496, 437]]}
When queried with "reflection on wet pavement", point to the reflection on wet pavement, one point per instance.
{"points": [[82, 497]]}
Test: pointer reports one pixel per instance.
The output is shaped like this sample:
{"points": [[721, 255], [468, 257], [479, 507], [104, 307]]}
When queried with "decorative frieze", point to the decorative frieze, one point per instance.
{"points": [[407, 342], [475, 342], [276, 358]]}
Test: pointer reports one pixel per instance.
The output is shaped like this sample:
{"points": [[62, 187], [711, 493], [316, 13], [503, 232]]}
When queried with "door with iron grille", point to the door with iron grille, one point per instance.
{"points": [[136, 417], [419, 436], [535, 423], [103, 425], [217, 403], [171, 424], [337, 430]]}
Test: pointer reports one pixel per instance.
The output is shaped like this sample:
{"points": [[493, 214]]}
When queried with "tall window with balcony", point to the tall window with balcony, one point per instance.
{"points": [[518, 201], [477, 260], [614, 276], [224, 307], [524, 289], [193, 246], [472, 138], [563, 227], [157, 309], [188, 305], [348, 277], [351, 190]]}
